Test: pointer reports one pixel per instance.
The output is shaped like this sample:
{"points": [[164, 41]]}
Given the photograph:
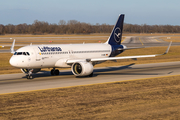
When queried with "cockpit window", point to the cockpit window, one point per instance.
{"points": [[27, 53], [19, 53], [22, 53]]}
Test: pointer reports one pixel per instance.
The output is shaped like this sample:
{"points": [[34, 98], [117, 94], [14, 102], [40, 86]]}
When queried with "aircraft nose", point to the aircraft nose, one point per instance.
{"points": [[13, 62]]}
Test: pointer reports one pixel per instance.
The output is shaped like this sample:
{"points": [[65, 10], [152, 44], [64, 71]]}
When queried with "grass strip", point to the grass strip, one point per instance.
{"points": [[155, 98]]}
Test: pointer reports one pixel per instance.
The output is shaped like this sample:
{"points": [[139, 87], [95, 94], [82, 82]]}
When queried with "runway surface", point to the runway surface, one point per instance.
{"points": [[18, 82], [137, 41]]}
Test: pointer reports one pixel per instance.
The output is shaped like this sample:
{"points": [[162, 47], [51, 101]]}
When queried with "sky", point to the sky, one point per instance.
{"points": [[151, 12]]}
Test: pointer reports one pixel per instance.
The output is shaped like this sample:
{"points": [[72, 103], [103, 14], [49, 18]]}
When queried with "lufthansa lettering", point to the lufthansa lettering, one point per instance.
{"points": [[49, 49]]}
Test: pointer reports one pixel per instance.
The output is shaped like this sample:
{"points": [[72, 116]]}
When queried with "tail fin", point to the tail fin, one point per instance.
{"points": [[116, 34]]}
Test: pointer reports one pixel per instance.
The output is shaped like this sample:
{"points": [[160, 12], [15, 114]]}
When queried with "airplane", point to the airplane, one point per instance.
{"points": [[81, 58]]}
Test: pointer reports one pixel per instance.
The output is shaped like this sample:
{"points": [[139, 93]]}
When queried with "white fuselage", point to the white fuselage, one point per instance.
{"points": [[56, 55]]}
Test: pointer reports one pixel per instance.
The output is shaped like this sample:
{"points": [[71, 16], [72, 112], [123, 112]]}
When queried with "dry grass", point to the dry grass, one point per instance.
{"points": [[146, 99], [53, 35], [93, 34]]}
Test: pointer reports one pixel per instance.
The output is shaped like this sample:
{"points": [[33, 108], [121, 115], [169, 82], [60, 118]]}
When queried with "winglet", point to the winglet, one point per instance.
{"points": [[167, 50], [12, 47]]}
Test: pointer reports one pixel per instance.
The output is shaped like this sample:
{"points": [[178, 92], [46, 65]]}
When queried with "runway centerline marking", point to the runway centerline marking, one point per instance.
{"points": [[141, 41], [157, 40]]}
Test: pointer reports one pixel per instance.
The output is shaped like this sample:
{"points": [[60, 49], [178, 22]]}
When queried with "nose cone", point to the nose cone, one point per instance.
{"points": [[13, 61]]}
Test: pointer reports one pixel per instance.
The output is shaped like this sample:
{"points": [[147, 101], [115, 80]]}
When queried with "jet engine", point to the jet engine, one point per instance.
{"points": [[27, 70], [82, 68]]}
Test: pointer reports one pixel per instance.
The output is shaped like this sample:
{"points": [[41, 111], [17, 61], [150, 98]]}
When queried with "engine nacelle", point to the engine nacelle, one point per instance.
{"points": [[27, 70], [82, 68]]}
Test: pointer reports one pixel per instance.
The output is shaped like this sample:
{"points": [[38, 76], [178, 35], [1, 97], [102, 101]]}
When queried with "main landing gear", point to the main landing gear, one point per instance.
{"points": [[54, 71]]}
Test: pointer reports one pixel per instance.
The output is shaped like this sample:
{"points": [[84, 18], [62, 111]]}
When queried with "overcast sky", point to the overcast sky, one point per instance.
{"points": [[151, 12]]}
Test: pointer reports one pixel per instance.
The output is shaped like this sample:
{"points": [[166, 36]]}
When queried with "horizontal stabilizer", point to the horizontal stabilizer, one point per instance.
{"points": [[130, 48]]}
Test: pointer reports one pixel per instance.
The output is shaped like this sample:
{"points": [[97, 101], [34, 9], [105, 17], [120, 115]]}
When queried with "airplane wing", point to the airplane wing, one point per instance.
{"points": [[118, 58]]}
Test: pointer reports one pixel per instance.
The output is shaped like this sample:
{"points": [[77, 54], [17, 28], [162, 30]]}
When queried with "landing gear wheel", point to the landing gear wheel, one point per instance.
{"points": [[54, 72], [29, 77]]}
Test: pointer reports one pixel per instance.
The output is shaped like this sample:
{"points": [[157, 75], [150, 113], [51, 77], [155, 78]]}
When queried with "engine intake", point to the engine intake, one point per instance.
{"points": [[82, 68]]}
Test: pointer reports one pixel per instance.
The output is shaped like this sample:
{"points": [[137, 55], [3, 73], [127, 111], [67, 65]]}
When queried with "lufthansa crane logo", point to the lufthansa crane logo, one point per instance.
{"points": [[117, 34]]}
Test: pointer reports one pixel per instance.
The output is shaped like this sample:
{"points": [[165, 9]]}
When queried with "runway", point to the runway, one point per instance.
{"points": [[18, 82], [129, 41], [139, 41]]}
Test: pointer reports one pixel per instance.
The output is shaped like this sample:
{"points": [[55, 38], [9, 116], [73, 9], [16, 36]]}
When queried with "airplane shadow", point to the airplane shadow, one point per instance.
{"points": [[108, 69], [97, 72], [64, 73]]}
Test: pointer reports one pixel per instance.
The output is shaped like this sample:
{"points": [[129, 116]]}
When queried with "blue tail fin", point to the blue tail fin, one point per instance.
{"points": [[116, 34]]}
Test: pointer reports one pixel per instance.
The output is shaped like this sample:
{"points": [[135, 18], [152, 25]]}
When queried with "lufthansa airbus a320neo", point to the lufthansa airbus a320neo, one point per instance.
{"points": [[79, 57]]}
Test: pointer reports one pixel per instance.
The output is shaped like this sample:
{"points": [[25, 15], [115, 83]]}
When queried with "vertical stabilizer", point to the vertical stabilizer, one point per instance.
{"points": [[116, 34]]}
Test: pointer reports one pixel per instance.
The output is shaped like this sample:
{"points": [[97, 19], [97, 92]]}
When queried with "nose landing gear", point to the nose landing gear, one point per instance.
{"points": [[29, 75], [54, 71]]}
